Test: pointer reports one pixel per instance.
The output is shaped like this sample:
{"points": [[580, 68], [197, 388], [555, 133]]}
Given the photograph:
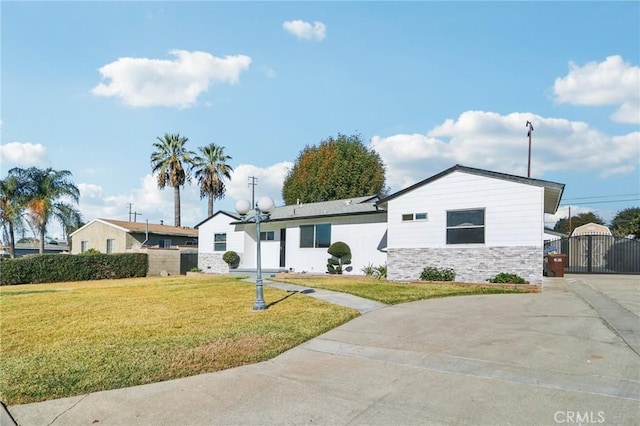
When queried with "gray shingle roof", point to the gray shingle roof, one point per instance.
{"points": [[349, 206]]}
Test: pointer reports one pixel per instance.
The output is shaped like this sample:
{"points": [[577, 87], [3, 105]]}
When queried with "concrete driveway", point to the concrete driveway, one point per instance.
{"points": [[568, 355]]}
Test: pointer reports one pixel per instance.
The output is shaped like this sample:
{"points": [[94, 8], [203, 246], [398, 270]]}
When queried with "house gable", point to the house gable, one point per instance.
{"points": [[552, 190]]}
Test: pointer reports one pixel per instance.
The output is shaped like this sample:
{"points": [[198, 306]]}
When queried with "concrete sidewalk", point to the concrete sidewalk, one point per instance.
{"points": [[563, 356]]}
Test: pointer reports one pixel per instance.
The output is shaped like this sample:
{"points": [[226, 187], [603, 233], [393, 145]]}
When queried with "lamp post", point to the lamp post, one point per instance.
{"points": [[262, 210]]}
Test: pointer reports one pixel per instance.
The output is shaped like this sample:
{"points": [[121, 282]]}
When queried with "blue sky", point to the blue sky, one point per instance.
{"points": [[88, 86]]}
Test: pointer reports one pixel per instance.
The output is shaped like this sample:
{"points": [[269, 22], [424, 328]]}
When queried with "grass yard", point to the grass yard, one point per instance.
{"points": [[388, 292], [65, 339]]}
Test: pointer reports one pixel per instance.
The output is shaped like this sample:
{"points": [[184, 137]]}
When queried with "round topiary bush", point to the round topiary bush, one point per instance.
{"points": [[342, 252], [231, 258]]}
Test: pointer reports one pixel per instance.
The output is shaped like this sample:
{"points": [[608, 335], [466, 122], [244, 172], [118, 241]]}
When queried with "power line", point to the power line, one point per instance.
{"points": [[604, 196], [607, 202]]}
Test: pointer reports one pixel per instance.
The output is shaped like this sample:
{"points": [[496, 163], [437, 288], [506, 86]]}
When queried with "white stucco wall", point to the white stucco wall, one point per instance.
{"points": [[362, 233]]}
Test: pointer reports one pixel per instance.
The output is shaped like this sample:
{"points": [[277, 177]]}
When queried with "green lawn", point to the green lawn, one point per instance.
{"points": [[389, 292], [64, 339]]}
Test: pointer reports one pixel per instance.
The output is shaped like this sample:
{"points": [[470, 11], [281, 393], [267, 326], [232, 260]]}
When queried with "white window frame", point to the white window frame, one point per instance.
{"points": [[452, 229]]}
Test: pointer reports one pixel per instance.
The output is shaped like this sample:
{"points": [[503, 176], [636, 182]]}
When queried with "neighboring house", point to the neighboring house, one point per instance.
{"points": [[475, 221], [296, 237], [24, 249], [119, 236]]}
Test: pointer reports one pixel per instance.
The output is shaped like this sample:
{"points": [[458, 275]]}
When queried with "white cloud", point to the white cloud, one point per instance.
{"points": [[269, 182], [143, 82], [611, 82], [23, 154], [306, 31], [499, 142], [152, 203]]}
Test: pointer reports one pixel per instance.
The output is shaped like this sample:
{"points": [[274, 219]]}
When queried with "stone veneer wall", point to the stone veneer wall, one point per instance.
{"points": [[470, 264], [212, 263]]}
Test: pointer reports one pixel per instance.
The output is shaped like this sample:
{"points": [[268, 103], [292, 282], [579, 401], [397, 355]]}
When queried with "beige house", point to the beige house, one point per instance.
{"points": [[119, 236]]}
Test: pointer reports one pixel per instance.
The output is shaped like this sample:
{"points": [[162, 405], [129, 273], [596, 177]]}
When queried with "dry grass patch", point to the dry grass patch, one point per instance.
{"points": [[65, 339]]}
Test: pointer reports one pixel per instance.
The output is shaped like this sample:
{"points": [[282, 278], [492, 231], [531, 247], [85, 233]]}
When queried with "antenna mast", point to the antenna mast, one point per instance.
{"points": [[530, 127], [135, 214], [253, 181]]}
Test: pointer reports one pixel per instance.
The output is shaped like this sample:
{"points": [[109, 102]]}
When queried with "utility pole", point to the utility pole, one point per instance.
{"points": [[131, 213], [530, 127], [253, 181]]}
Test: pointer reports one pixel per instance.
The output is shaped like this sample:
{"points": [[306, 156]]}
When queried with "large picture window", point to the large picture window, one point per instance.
{"points": [[220, 242], [465, 226], [315, 236]]}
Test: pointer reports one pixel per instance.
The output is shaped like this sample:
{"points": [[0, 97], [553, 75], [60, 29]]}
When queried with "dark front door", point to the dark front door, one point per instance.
{"points": [[283, 245]]}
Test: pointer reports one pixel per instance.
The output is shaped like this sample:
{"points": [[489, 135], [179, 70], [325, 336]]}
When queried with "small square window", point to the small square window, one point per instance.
{"points": [[406, 217], [267, 236], [422, 216]]}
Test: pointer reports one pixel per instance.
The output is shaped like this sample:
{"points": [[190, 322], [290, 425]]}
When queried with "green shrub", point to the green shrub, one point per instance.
{"points": [[194, 269], [376, 272], [231, 258], [342, 254], [505, 278], [380, 271], [91, 251], [50, 268], [437, 274], [368, 270]]}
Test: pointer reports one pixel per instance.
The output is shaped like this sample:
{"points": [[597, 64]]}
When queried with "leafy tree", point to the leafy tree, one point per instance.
{"points": [[46, 194], [169, 161], [211, 171], [581, 219], [338, 168], [12, 205], [627, 222]]}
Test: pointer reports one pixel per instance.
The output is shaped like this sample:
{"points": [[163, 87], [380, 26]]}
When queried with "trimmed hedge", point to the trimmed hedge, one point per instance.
{"points": [[50, 268]]}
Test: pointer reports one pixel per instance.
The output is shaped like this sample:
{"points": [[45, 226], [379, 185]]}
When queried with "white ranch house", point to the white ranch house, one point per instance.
{"points": [[475, 221]]}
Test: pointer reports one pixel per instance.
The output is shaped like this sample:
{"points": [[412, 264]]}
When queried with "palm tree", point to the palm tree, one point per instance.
{"points": [[46, 195], [11, 209], [211, 171], [168, 161]]}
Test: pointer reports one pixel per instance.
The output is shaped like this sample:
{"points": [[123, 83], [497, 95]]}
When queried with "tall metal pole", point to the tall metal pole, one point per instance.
{"points": [[259, 304], [530, 126]]}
